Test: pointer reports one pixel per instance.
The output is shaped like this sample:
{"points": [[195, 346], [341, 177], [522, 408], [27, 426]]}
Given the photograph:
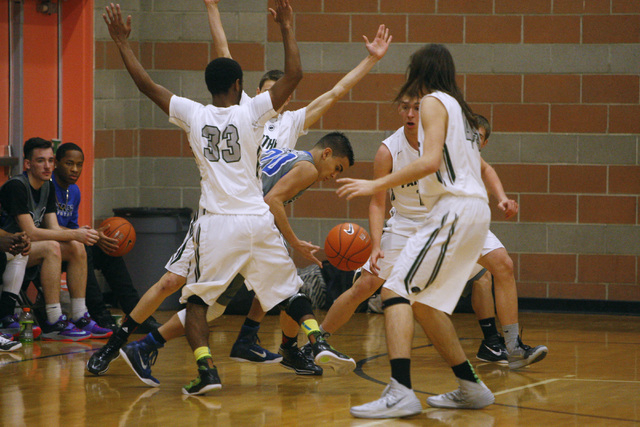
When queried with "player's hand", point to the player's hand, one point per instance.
{"points": [[376, 254], [107, 244], [509, 207], [351, 188], [283, 14], [25, 243], [87, 235], [118, 29], [378, 47], [11, 243], [307, 249]]}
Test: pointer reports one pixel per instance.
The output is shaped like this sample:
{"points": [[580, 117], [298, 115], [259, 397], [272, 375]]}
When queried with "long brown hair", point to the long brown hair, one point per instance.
{"points": [[431, 68]]}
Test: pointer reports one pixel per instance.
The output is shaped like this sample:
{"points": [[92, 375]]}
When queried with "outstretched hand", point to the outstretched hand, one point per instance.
{"points": [[118, 29], [283, 14], [378, 47], [307, 250], [355, 187]]}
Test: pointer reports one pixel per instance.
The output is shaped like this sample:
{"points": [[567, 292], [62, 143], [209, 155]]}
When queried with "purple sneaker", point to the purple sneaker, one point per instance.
{"points": [[10, 325], [87, 324], [63, 330]]}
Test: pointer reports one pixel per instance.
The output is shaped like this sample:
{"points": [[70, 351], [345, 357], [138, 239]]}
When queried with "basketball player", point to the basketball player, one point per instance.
{"points": [[283, 131], [29, 204], [286, 174], [397, 151], [225, 141], [433, 267]]}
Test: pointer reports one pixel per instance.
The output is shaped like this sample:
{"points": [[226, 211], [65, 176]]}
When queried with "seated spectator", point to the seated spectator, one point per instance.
{"points": [[29, 204], [69, 162]]}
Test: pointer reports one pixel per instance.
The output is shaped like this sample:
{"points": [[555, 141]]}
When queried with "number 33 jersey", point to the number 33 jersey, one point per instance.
{"points": [[226, 146]]}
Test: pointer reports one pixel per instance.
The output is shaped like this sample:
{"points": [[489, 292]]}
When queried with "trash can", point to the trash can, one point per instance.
{"points": [[159, 233]]}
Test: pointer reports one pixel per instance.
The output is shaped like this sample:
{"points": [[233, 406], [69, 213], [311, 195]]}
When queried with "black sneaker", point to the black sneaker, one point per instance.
{"points": [[327, 355], [248, 350], [525, 355], [292, 358], [105, 319], [493, 350], [207, 380], [99, 361]]}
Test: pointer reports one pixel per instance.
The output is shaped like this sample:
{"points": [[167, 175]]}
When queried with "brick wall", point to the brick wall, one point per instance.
{"points": [[559, 80]]}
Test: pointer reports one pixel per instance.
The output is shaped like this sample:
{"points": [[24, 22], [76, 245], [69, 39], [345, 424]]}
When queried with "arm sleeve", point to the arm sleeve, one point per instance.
{"points": [[181, 110], [261, 109]]}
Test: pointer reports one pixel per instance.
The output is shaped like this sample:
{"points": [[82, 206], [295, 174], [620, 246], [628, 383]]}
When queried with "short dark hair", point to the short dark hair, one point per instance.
{"points": [[484, 123], [221, 74], [33, 144], [66, 147], [339, 144], [274, 75]]}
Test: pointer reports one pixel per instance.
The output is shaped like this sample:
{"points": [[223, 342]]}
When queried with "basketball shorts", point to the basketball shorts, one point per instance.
{"points": [[393, 240], [223, 246], [435, 264], [491, 243]]}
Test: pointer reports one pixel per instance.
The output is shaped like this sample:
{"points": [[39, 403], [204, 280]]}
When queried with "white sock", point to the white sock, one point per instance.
{"points": [[78, 308], [54, 311], [511, 336]]}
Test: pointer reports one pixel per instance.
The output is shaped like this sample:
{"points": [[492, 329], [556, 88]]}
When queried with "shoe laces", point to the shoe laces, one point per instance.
{"points": [[151, 357]]}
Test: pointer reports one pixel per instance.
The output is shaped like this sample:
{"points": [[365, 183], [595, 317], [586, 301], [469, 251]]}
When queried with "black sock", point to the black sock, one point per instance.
{"points": [[128, 327], [289, 342], [251, 323], [488, 327], [8, 302], [401, 371], [465, 371], [158, 337]]}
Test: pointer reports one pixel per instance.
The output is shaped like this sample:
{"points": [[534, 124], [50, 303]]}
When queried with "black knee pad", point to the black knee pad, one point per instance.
{"points": [[394, 301], [298, 306], [195, 299]]}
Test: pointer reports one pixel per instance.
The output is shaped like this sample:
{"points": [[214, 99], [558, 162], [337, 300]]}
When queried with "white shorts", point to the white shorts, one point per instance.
{"points": [[224, 245], [393, 240], [436, 262], [491, 243]]}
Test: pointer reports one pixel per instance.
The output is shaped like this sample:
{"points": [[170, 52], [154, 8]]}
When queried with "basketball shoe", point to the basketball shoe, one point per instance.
{"points": [[327, 355], [470, 395], [104, 319], [292, 358], [11, 326], [87, 324], [99, 361], [7, 343], [493, 350], [396, 401], [140, 356], [525, 355], [63, 330], [207, 380], [248, 350]]}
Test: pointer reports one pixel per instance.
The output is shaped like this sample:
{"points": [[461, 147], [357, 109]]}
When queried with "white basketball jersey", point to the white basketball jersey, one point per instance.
{"points": [[283, 130], [459, 172], [405, 199], [226, 145]]}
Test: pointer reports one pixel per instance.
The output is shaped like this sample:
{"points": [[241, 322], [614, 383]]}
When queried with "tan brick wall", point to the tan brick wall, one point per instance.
{"points": [[559, 80]]}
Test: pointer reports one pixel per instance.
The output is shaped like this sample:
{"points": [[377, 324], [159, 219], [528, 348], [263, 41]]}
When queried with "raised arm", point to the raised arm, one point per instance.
{"points": [[285, 86], [494, 187], [220, 44], [119, 31], [377, 49]]}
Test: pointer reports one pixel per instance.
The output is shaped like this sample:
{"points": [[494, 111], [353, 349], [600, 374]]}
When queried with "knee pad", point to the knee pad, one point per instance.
{"points": [[195, 299], [297, 306], [394, 301]]}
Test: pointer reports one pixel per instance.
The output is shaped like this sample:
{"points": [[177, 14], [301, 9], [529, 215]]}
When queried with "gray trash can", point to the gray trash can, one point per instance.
{"points": [[159, 233]]}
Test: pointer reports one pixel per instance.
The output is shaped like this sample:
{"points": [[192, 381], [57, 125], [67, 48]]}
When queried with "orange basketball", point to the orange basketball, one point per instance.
{"points": [[123, 231], [348, 246]]}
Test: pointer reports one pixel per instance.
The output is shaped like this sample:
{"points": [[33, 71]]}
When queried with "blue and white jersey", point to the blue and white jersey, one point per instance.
{"points": [[276, 163]]}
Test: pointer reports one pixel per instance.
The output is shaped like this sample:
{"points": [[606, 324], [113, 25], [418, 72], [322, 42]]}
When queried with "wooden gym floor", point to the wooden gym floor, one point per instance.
{"points": [[591, 376]]}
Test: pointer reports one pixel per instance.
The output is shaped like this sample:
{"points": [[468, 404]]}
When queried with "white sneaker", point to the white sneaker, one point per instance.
{"points": [[396, 401], [7, 344], [470, 395]]}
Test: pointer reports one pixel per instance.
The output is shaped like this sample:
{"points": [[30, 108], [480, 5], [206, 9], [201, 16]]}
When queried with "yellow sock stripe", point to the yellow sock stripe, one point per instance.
{"points": [[310, 325], [201, 352]]}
